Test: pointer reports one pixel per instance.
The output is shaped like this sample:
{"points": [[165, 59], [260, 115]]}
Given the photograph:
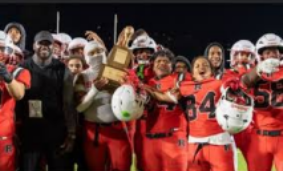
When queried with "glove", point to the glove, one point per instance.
{"points": [[7, 76], [268, 66], [233, 83], [67, 146]]}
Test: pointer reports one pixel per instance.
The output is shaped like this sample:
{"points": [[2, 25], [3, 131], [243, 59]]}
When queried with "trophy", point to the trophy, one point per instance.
{"points": [[118, 59]]}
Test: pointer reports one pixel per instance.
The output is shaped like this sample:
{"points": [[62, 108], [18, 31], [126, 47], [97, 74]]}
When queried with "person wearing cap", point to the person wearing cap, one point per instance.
{"points": [[47, 112], [13, 83], [57, 46], [182, 67]]}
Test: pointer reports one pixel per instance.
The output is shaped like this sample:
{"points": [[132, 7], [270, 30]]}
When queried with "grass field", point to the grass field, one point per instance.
{"points": [[242, 166]]}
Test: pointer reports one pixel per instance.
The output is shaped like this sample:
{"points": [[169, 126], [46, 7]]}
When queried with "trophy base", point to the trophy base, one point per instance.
{"points": [[114, 75]]}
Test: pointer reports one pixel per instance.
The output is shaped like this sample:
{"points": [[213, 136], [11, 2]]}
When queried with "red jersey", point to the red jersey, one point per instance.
{"points": [[187, 76], [199, 101], [268, 108], [7, 118], [165, 117]]}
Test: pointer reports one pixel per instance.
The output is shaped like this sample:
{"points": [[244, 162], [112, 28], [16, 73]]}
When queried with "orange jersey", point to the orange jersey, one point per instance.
{"points": [[199, 101], [268, 109], [7, 118], [163, 117]]}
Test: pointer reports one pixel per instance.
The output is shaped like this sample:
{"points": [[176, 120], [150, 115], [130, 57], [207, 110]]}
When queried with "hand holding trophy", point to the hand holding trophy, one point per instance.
{"points": [[118, 59]]}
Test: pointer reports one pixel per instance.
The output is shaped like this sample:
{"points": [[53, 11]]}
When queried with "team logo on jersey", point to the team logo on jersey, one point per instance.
{"points": [[8, 148], [181, 143], [197, 86]]}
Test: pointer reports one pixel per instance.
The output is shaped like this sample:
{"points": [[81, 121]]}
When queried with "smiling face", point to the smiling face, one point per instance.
{"points": [[15, 34], [43, 49], [162, 66], [272, 52], [180, 67], [201, 69], [215, 56]]}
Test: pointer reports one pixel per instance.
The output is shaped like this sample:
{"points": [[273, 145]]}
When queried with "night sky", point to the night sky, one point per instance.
{"points": [[185, 28]]}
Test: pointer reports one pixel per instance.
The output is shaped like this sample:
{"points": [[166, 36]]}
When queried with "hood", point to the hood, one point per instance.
{"points": [[22, 43], [182, 59], [222, 66]]}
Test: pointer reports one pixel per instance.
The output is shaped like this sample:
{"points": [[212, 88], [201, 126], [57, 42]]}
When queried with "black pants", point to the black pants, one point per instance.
{"points": [[78, 153], [31, 161], [42, 140]]}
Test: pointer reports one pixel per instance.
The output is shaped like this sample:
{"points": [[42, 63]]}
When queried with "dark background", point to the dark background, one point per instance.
{"points": [[185, 28]]}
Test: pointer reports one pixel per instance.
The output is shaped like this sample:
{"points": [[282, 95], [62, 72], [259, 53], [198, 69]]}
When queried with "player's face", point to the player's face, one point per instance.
{"points": [[242, 58], [180, 67], [78, 52], [215, 56], [201, 69], [75, 66], [271, 53], [162, 66], [95, 52], [15, 34], [43, 49], [143, 54], [57, 48]]}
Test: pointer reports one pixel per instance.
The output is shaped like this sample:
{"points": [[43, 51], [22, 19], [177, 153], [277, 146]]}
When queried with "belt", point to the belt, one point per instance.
{"points": [[272, 133], [158, 135], [107, 124], [161, 134]]}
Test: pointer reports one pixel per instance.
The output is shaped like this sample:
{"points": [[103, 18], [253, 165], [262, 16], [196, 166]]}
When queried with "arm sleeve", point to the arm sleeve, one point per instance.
{"points": [[22, 76], [68, 101]]}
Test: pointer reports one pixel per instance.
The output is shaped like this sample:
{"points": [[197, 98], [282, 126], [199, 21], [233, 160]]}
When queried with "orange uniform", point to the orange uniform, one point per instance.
{"points": [[7, 119], [267, 135], [243, 138], [199, 100], [166, 131], [139, 126]]}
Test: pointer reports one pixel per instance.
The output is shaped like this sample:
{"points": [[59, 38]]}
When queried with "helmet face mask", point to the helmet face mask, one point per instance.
{"points": [[143, 47], [242, 53], [234, 111], [126, 104]]}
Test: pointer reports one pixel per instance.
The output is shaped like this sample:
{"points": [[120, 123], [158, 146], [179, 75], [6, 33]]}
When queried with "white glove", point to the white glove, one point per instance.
{"points": [[268, 66]]}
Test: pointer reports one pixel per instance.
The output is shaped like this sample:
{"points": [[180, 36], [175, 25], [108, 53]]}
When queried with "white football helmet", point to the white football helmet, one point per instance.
{"points": [[232, 116], [77, 42], [65, 38], [126, 104], [17, 56], [57, 38], [242, 46], [6, 43], [267, 41], [143, 42]]}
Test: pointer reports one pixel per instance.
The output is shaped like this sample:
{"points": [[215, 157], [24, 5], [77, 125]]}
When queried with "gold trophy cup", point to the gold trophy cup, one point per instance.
{"points": [[118, 59]]}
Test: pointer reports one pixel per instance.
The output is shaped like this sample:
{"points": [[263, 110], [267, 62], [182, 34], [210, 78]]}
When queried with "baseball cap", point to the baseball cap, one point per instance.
{"points": [[43, 35]]}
